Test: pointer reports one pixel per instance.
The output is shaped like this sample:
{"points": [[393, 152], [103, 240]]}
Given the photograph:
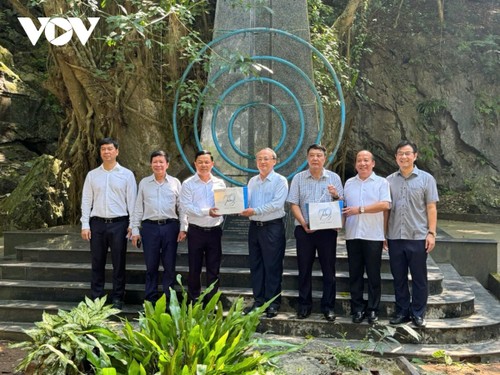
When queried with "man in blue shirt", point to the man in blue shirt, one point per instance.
{"points": [[267, 193], [411, 233]]}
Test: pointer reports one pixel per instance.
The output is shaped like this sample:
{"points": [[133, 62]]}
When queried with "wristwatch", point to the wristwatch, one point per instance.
{"points": [[433, 234], [362, 209]]}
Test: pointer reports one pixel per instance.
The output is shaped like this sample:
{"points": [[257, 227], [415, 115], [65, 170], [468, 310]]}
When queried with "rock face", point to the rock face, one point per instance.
{"points": [[436, 84], [40, 200]]}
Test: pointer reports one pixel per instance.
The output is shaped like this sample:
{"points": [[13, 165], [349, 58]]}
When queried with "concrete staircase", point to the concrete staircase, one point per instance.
{"points": [[53, 273]]}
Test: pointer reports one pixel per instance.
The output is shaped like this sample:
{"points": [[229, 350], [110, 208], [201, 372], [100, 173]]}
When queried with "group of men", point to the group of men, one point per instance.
{"points": [[398, 213]]}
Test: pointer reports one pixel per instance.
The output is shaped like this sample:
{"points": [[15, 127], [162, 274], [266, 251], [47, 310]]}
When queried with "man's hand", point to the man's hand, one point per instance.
{"points": [[135, 239], [181, 236], [213, 212], [430, 242], [248, 212], [86, 234]]}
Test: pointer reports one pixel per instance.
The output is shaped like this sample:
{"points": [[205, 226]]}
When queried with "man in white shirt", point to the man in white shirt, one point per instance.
{"points": [[366, 197], [267, 194], [204, 234], [156, 223], [108, 200]]}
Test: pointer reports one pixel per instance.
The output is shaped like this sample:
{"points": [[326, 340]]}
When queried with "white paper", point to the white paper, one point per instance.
{"points": [[325, 215]]}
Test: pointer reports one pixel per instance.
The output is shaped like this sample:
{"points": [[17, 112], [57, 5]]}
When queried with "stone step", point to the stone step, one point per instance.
{"points": [[481, 325], [237, 277], [72, 249], [25, 301]]}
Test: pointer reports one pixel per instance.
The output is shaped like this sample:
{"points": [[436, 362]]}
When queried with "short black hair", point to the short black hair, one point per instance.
{"points": [[316, 146], [203, 152], [108, 141], [404, 143], [156, 153]]}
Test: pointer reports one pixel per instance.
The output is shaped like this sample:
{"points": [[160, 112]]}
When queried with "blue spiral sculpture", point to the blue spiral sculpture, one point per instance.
{"points": [[255, 104]]}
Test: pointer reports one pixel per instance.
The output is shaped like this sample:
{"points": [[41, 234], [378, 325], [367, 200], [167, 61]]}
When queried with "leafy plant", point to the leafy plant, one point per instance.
{"points": [[348, 357], [188, 339], [441, 354], [429, 108], [58, 344], [191, 339]]}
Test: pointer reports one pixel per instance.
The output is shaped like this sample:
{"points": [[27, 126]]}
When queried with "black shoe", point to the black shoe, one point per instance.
{"points": [[372, 317], [303, 313], [419, 321], [358, 317], [329, 315], [117, 304], [271, 312], [247, 310], [399, 319]]}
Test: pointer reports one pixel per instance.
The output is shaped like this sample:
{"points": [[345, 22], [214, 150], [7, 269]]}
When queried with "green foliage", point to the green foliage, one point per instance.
{"points": [[441, 354], [348, 357], [188, 339], [193, 339], [431, 107], [58, 343]]}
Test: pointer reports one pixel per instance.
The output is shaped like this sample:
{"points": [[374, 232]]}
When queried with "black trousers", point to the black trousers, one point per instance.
{"points": [[266, 248], [203, 244], [364, 255], [325, 243], [106, 236], [410, 255], [160, 244]]}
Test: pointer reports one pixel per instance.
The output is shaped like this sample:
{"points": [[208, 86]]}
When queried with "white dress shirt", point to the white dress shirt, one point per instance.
{"points": [[108, 194], [267, 197], [158, 201], [359, 193], [197, 198]]}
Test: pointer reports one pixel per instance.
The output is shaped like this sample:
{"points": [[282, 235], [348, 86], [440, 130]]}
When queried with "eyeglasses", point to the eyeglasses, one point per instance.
{"points": [[260, 160], [406, 153]]}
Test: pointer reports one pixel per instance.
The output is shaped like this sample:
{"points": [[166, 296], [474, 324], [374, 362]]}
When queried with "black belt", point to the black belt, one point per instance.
{"points": [[110, 220], [205, 229], [161, 222], [269, 222]]}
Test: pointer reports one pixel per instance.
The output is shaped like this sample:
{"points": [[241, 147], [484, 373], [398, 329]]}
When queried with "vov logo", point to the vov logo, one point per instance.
{"points": [[49, 25]]}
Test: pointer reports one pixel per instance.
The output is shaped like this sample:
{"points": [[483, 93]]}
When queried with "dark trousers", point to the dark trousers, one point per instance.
{"points": [[266, 248], [404, 255], [203, 244], [325, 243], [160, 244], [104, 236], [364, 255]]}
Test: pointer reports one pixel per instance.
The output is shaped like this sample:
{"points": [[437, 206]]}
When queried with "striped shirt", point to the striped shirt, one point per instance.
{"points": [[306, 189], [267, 197], [157, 201]]}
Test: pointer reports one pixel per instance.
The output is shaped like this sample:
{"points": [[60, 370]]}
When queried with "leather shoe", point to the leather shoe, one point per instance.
{"points": [[303, 313], [329, 315], [117, 304], [399, 319], [358, 317], [271, 312], [419, 321], [372, 317], [247, 310]]}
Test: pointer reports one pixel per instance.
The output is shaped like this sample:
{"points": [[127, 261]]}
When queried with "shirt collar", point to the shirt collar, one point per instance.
{"points": [[117, 167], [415, 171], [309, 175], [370, 177]]}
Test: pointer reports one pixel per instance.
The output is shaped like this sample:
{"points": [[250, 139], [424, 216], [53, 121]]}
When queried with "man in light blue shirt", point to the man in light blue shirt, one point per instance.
{"points": [[156, 223], [366, 197], [108, 200], [267, 193]]}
